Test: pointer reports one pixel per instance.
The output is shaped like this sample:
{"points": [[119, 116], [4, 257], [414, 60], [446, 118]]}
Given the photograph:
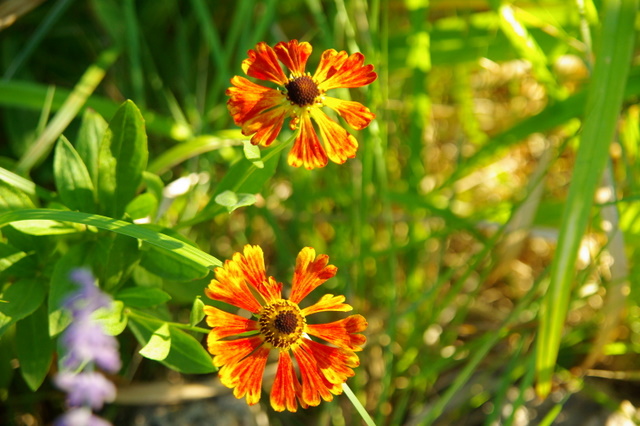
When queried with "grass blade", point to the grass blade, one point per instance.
{"points": [[602, 109], [85, 87], [118, 226]]}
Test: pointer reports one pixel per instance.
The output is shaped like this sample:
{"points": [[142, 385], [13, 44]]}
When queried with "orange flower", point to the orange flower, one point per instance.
{"points": [[241, 346], [261, 111]]}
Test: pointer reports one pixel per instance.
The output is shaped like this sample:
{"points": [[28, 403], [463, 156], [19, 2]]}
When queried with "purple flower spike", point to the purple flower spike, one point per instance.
{"points": [[87, 346], [87, 342], [80, 417], [89, 388], [89, 298]]}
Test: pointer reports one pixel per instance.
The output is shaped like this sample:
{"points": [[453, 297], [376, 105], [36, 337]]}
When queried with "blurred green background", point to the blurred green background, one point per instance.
{"points": [[444, 227]]}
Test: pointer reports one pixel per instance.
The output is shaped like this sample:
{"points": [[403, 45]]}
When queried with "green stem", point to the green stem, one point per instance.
{"points": [[172, 324], [363, 413]]}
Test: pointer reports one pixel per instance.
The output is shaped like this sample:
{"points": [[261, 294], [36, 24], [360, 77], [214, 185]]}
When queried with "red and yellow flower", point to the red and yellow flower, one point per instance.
{"points": [[261, 111], [241, 346]]}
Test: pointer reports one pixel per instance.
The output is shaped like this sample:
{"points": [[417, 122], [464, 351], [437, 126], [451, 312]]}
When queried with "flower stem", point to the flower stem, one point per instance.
{"points": [[132, 313], [363, 413]]}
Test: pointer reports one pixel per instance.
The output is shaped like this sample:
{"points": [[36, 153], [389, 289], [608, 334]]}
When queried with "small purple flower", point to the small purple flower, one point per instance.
{"points": [[87, 345], [80, 417], [86, 389], [87, 342], [88, 298]]}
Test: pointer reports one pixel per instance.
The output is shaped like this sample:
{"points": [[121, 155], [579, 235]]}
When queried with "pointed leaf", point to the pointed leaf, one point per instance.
{"points": [[186, 355], [15, 262], [197, 312], [122, 160], [144, 205], [231, 201], [34, 347], [11, 198], [159, 344], [19, 300], [72, 178], [113, 320], [90, 135], [148, 234]]}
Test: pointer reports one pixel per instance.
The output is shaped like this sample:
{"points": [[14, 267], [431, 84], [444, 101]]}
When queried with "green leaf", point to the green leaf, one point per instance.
{"points": [[601, 116], [171, 266], [154, 184], [25, 185], [159, 344], [142, 297], [72, 178], [15, 262], [113, 320], [34, 347], [243, 177], [20, 299], [46, 227], [252, 153], [90, 135], [144, 205], [186, 355], [122, 159], [168, 264], [197, 312], [231, 201], [117, 255], [11, 198], [177, 247]]}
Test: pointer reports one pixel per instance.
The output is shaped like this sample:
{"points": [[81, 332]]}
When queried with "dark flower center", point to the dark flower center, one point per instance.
{"points": [[282, 323], [302, 90], [286, 322]]}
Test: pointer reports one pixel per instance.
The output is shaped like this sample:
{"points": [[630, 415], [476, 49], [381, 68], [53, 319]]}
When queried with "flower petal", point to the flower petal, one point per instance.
{"points": [[314, 384], [251, 265], [328, 302], [285, 386], [310, 273], [266, 126], [330, 63], [249, 100], [306, 149], [294, 55], [357, 115], [334, 363], [342, 333], [339, 143], [338, 70], [225, 324], [245, 376], [263, 63], [232, 351], [230, 287]]}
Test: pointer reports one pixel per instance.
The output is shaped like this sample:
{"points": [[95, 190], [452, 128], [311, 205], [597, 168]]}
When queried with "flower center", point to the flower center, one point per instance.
{"points": [[282, 323], [302, 90]]}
